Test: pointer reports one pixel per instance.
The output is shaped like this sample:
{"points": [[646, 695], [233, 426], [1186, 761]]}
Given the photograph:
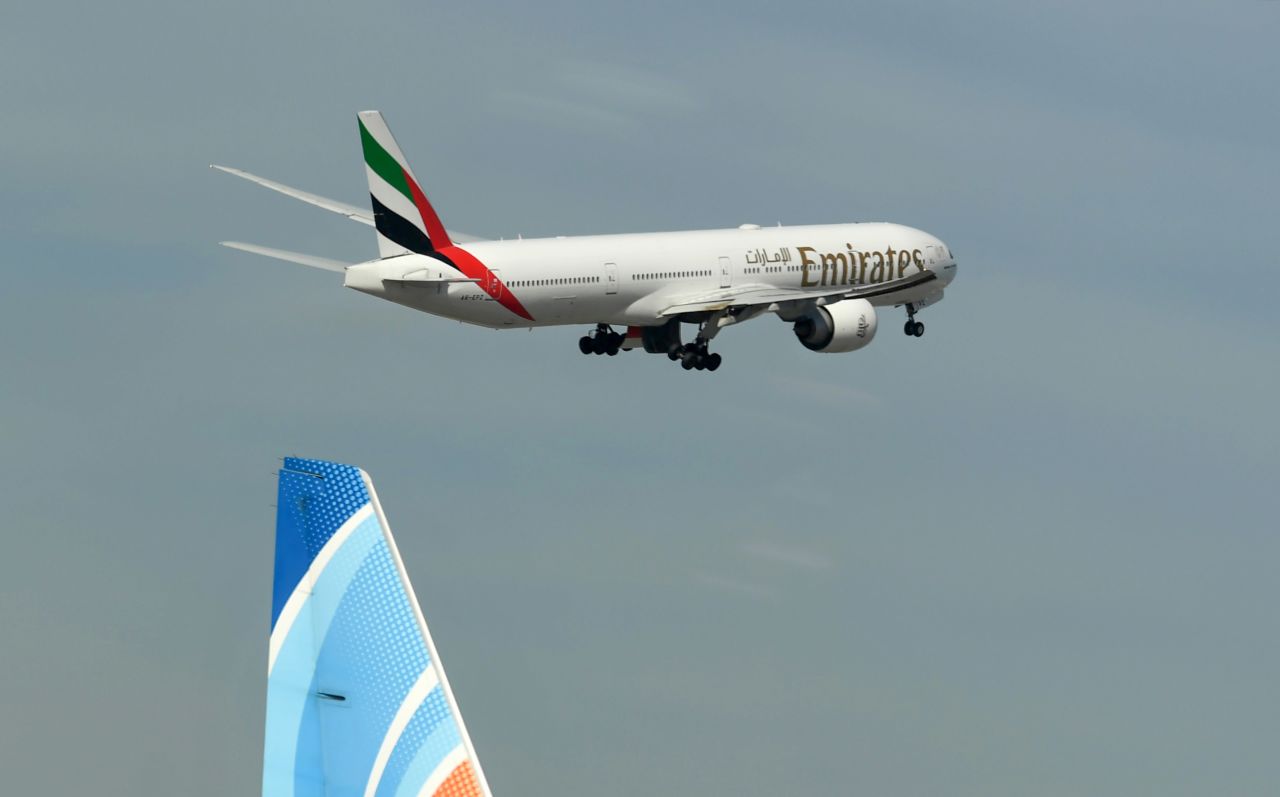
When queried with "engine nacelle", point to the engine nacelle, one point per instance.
{"points": [[840, 327]]}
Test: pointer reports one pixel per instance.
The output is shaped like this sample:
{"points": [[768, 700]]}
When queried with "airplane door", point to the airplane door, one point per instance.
{"points": [[725, 279], [610, 277], [493, 285]]}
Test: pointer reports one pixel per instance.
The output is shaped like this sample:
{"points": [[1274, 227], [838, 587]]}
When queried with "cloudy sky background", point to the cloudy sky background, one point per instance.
{"points": [[1033, 552]]}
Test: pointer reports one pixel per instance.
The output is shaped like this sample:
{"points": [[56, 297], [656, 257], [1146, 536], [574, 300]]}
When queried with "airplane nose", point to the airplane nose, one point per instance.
{"points": [[945, 268]]}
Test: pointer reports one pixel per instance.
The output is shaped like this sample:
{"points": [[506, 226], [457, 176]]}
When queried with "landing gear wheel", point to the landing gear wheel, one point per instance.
{"points": [[694, 356], [919, 330], [585, 344], [910, 327], [599, 345]]}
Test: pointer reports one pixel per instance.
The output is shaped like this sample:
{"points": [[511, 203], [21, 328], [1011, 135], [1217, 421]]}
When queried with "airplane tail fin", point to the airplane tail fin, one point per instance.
{"points": [[357, 700], [404, 218]]}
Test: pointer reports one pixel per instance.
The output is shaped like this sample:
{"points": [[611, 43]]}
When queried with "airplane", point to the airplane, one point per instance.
{"points": [[824, 280], [358, 702]]}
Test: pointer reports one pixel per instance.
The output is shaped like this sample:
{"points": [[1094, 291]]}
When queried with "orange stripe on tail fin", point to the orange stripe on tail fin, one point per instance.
{"points": [[461, 782]]}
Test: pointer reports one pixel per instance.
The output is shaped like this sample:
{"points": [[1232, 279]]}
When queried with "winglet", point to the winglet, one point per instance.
{"points": [[357, 699]]}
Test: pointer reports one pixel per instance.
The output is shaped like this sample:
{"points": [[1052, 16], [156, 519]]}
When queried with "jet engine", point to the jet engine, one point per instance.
{"points": [[840, 327]]}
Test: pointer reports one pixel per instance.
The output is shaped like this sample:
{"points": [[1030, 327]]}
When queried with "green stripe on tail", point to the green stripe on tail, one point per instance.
{"points": [[383, 163]]}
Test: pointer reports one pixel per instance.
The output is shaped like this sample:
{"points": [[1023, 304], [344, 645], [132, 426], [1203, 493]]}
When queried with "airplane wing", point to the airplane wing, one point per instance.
{"points": [[315, 261], [341, 208], [760, 295], [350, 211], [749, 296], [357, 700], [420, 276]]}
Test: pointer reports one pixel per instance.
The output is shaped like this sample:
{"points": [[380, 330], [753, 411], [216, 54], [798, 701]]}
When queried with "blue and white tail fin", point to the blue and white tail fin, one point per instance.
{"points": [[357, 700]]}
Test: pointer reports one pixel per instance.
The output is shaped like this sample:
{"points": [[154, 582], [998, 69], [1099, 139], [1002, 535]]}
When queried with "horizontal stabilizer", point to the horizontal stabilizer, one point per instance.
{"points": [[426, 277], [315, 261], [341, 208]]}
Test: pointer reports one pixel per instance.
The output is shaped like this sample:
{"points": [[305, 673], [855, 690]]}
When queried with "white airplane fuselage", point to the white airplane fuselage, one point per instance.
{"points": [[631, 279], [824, 280]]}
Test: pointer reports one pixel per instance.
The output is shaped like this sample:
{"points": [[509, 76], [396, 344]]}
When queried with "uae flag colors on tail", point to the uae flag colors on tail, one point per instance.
{"points": [[406, 222]]}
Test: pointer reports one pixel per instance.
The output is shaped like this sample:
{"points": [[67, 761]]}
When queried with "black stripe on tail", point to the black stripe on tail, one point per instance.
{"points": [[400, 230]]}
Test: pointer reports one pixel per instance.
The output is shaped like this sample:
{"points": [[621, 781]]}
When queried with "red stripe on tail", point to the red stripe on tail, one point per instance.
{"points": [[471, 266], [435, 229]]}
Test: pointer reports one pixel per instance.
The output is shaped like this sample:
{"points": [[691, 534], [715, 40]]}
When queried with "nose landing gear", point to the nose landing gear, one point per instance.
{"points": [[913, 327]]}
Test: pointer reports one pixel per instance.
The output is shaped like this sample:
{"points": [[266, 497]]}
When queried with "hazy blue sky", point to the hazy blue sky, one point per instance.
{"points": [[1032, 553]]}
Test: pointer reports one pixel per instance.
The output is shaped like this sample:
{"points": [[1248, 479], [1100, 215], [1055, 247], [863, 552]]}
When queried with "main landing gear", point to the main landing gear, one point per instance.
{"points": [[694, 355], [691, 356], [913, 327], [602, 341]]}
